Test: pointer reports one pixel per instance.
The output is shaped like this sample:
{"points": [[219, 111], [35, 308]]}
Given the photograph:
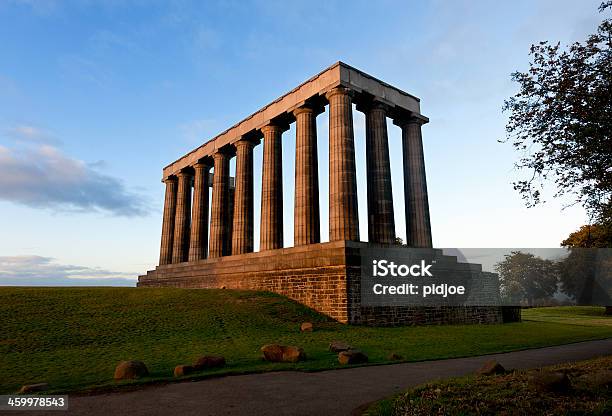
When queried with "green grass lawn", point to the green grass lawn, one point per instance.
{"points": [[72, 338]]}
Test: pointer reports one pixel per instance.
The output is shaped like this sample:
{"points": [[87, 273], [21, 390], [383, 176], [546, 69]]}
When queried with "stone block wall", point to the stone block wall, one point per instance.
{"points": [[325, 277]]}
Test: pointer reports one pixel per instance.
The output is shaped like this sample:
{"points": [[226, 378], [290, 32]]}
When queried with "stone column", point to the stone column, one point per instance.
{"points": [[165, 252], [306, 225], [198, 242], [418, 227], [271, 229], [381, 223], [343, 211], [218, 215], [242, 234], [182, 221]]}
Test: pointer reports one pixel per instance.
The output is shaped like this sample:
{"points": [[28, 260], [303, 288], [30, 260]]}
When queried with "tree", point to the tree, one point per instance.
{"points": [[525, 278], [561, 121], [586, 276], [589, 236]]}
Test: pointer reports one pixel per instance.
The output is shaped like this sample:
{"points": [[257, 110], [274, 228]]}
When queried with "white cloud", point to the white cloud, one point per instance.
{"points": [[39, 175], [44, 271]]}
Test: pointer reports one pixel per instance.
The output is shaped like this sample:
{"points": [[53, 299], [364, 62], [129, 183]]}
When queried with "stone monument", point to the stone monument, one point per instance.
{"points": [[219, 253]]}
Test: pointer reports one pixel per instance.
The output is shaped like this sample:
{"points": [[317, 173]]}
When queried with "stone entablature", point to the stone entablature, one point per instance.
{"points": [[400, 103]]}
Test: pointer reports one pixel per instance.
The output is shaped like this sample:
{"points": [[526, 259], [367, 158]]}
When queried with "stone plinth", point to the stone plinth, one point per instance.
{"points": [[324, 276]]}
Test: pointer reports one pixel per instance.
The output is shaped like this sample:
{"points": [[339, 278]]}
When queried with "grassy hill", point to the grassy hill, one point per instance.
{"points": [[73, 338]]}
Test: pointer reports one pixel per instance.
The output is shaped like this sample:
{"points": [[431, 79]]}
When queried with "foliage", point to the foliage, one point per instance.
{"points": [[561, 121], [525, 278], [72, 338], [586, 275], [589, 236]]}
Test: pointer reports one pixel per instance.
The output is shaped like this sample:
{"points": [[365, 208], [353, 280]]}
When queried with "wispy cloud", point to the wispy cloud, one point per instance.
{"points": [[32, 134], [199, 131], [39, 175], [44, 271]]}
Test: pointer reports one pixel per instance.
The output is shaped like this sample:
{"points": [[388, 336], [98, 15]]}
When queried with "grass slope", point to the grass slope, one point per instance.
{"points": [[73, 338], [506, 394]]}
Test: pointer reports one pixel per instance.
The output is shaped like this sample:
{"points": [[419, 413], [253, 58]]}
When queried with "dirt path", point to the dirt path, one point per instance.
{"points": [[336, 392]]}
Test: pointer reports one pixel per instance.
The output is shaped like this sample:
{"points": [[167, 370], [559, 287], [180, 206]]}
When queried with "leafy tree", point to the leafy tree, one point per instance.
{"points": [[586, 276], [588, 236], [561, 121], [525, 278]]}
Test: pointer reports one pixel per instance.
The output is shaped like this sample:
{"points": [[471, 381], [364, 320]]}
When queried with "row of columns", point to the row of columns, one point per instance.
{"points": [[185, 228]]}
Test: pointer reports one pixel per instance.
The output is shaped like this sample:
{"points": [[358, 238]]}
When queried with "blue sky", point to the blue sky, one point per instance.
{"points": [[97, 96]]}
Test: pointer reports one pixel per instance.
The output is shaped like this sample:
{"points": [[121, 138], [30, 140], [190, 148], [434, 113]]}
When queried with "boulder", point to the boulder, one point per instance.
{"points": [[209, 361], [33, 388], [129, 370], [550, 381], [491, 367], [183, 370], [282, 353], [352, 357], [306, 327], [338, 346]]}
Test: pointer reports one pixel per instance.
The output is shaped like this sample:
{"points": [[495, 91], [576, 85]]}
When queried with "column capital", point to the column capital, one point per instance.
{"points": [[170, 179], [184, 173], [411, 119], [273, 127], [308, 108], [201, 164], [338, 90], [370, 105], [246, 141]]}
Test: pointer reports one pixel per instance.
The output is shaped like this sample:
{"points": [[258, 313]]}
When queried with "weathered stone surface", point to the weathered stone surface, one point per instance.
{"points": [[198, 240], [338, 346], [306, 327], [33, 388], [182, 220], [550, 381], [352, 357], [283, 353], [271, 227], [167, 238], [209, 361], [306, 223], [183, 370], [381, 222], [491, 367], [128, 370], [418, 227], [343, 210]]}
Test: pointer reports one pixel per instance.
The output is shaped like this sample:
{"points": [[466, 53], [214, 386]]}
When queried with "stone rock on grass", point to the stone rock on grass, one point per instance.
{"points": [[306, 327], [129, 370], [183, 370], [209, 361], [282, 353], [338, 346], [33, 388], [550, 381], [352, 357], [491, 367], [395, 357]]}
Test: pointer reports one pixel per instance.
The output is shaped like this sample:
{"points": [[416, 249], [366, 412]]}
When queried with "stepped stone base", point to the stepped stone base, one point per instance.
{"points": [[325, 277]]}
